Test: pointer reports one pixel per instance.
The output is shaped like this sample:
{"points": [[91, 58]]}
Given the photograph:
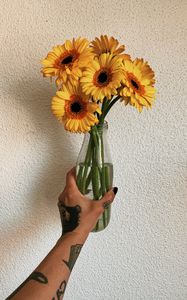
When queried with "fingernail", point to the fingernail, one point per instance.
{"points": [[115, 190]]}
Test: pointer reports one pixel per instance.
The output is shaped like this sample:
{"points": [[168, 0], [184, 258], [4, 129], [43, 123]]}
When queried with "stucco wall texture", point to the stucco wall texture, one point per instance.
{"points": [[141, 255]]}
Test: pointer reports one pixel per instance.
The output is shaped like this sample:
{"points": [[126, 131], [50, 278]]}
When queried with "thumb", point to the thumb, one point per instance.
{"points": [[108, 198]]}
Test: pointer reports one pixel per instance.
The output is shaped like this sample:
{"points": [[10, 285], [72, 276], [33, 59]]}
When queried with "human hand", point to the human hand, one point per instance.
{"points": [[79, 213]]}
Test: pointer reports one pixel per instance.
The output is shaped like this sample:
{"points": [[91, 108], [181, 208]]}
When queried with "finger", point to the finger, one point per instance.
{"points": [[71, 180], [70, 185], [108, 198]]}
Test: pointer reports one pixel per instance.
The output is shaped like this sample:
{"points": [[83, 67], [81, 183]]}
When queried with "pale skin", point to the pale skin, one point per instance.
{"points": [[79, 215]]}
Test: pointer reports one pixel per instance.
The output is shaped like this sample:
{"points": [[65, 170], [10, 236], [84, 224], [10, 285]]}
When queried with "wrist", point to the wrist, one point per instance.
{"points": [[75, 236]]}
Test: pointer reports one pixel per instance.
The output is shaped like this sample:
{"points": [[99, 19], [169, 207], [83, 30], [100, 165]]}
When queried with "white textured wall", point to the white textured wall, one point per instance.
{"points": [[141, 255]]}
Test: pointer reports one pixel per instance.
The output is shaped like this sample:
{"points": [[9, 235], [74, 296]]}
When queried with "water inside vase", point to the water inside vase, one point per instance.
{"points": [[89, 184]]}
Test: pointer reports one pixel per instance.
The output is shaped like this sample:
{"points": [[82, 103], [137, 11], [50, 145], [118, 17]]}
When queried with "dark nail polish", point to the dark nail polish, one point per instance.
{"points": [[115, 190]]}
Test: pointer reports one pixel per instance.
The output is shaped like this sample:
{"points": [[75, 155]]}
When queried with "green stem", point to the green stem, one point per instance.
{"points": [[108, 186], [94, 136], [107, 179], [82, 184], [103, 166], [97, 142], [95, 182], [111, 103], [95, 168], [88, 179], [79, 176], [103, 183], [104, 105]]}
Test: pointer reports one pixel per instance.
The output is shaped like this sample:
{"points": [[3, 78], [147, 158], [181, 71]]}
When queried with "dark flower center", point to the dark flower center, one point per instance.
{"points": [[103, 77], [76, 107], [134, 84], [67, 60]]}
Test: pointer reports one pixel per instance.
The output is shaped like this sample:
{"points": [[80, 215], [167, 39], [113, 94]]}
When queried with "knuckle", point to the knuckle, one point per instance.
{"points": [[109, 196], [70, 193]]}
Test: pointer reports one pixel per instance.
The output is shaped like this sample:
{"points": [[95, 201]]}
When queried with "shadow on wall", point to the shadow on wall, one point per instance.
{"points": [[34, 97]]}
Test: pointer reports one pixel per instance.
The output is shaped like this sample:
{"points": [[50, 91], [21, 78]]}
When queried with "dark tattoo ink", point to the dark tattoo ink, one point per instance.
{"points": [[37, 276], [74, 253], [107, 204], [69, 217], [60, 292]]}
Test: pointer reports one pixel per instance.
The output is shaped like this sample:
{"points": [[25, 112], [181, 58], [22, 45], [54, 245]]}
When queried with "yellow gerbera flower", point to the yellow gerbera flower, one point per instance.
{"points": [[108, 45], [138, 83], [66, 61], [103, 77], [145, 69], [73, 108]]}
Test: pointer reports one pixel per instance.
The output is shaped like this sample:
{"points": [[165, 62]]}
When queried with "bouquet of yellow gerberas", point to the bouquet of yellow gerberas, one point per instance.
{"points": [[91, 77]]}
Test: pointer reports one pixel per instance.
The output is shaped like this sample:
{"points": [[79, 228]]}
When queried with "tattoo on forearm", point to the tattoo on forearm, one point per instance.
{"points": [[69, 216], [107, 204], [61, 290], [37, 276], [74, 253]]}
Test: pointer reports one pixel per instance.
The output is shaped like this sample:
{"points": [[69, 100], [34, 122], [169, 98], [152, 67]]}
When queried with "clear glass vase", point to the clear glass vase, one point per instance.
{"points": [[94, 169]]}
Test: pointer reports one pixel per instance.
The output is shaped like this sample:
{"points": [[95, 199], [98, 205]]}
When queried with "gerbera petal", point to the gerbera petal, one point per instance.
{"points": [[138, 83], [71, 106], [66, 61], [106, 44], [68, 45], [103, 77]]}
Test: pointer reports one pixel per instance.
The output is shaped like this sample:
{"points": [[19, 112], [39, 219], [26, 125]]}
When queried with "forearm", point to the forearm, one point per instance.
{"points": [[79, 215], [50, 278]]}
